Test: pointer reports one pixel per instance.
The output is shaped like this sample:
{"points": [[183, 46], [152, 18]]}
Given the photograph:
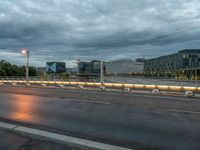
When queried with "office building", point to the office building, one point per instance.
{"points": [[184, 64], [125, 66], [83, 67], [72, 71], [90, 68], [55, 67]]}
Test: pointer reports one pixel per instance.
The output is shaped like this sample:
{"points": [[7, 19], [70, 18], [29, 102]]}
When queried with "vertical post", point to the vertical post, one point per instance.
{"points": [[102, 78], [196, 75], [25, 52], [78, 61], [27, 66], [123, 68]]}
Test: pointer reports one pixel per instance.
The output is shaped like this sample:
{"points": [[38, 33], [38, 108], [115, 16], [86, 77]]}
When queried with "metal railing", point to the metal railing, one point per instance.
{"points": [[95, 82]]}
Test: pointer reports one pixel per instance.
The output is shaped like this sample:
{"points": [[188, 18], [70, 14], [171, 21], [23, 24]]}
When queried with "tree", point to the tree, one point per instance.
{"points": [[64, 76], [2, 72], [7, 69], [32, 71]]}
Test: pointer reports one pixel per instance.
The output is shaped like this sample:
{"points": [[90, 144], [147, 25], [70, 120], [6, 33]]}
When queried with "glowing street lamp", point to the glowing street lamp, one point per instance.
{"points": [[25, 52]]}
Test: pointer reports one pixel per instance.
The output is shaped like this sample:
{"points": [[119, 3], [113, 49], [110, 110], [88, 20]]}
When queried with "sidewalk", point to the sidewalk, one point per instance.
{"points": [[10, 140]]}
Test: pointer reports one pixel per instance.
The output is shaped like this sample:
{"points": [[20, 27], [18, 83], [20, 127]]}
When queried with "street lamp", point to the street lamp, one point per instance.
{"points": [[25, 52], [102, 72], [123, 67], [78, 63]]}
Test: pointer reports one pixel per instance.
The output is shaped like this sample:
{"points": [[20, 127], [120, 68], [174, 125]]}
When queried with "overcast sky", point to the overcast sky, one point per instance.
{"points": [[65, 30]]}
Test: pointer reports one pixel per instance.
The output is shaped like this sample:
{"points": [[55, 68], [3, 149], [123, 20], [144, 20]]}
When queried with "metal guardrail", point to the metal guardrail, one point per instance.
{"points": [[106, 85], [51, 78], [147, 81]]}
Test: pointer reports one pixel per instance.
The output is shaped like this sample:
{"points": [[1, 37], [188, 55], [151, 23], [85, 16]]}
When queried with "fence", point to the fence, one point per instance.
{"points": [[94, 82]]}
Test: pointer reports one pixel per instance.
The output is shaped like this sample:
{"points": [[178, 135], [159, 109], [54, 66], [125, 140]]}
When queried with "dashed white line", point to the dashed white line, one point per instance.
{"points": [[184, 111], [62, 138], [169, 98], [154, 96], [89, 101]]}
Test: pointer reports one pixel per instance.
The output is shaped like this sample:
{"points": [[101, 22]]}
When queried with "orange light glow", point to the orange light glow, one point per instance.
{"points": [[24, 107]]}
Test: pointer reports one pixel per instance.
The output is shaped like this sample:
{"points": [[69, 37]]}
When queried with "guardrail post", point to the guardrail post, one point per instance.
{"points": [[61, 85], [80, 86], [189, 93], [28, 84], [155, 91], [127, 89]]}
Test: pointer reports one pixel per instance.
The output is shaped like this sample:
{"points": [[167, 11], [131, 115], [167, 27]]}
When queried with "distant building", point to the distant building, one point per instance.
{"points": [[83, 67], [55, 67], [72, 71], [124, 66], [140, 60], [185, 63], [95, 67], [90, 68]]}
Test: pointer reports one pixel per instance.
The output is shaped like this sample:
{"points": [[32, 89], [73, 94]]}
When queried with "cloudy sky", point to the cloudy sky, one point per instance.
{"points": [[65, 30]]}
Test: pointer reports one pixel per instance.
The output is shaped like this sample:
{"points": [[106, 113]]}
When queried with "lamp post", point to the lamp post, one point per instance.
{"points": [[124, 65], [78, 62], [25, 52], [102, 72]]}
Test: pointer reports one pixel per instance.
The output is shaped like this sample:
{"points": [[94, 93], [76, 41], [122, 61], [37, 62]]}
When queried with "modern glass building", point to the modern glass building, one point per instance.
{"points": [[184, 64], [90, 68], [83, 67], [125, 66], [95, 67], [55, 67]]}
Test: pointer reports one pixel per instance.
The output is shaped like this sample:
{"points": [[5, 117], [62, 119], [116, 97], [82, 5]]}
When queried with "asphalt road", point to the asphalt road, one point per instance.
{"points": [[129, 120]]}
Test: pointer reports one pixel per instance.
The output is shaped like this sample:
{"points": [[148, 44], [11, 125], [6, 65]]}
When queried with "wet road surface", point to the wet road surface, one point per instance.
{"points": [[134, 121]]}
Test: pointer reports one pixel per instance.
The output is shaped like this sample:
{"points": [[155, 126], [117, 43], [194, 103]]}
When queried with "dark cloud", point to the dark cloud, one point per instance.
{"points": [[102, 29]]}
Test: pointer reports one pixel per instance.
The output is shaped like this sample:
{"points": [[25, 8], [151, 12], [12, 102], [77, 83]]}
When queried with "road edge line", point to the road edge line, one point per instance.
{"points": [[61, 138]]}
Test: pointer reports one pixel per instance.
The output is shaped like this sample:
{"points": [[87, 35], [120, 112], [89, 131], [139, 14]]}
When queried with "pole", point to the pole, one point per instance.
{"points": [[102, 78], [78, 61], [196, 76], [27, 66]]}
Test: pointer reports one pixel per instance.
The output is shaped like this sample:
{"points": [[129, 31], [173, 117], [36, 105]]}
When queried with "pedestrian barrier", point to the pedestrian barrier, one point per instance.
{"points": [[106, 85]]}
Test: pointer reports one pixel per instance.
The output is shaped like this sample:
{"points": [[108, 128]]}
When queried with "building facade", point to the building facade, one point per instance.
{"points": [[125, 66], [55, 67], [95, 67], [90, 68], [72, 71], [83, 67], [184, 64]]}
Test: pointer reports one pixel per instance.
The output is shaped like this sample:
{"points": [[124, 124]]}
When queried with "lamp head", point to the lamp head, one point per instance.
{"points": [[25, 51]]}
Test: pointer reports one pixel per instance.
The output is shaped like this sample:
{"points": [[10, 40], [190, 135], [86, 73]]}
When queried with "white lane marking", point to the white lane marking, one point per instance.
{"points": [[136, 95], [88, 101], [7, 125], [184, 111], [62, 138], [170, 98], [151, 96]]}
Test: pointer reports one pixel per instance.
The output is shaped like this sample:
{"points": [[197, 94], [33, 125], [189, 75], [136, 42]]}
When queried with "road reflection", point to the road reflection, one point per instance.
{"points": [[25, 105]]}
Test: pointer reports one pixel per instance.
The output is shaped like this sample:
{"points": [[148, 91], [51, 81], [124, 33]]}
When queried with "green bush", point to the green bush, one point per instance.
{"points": [[64, 76]]}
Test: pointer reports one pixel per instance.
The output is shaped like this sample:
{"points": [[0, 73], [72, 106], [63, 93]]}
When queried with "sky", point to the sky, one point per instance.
{"points": [[67, 30]]}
